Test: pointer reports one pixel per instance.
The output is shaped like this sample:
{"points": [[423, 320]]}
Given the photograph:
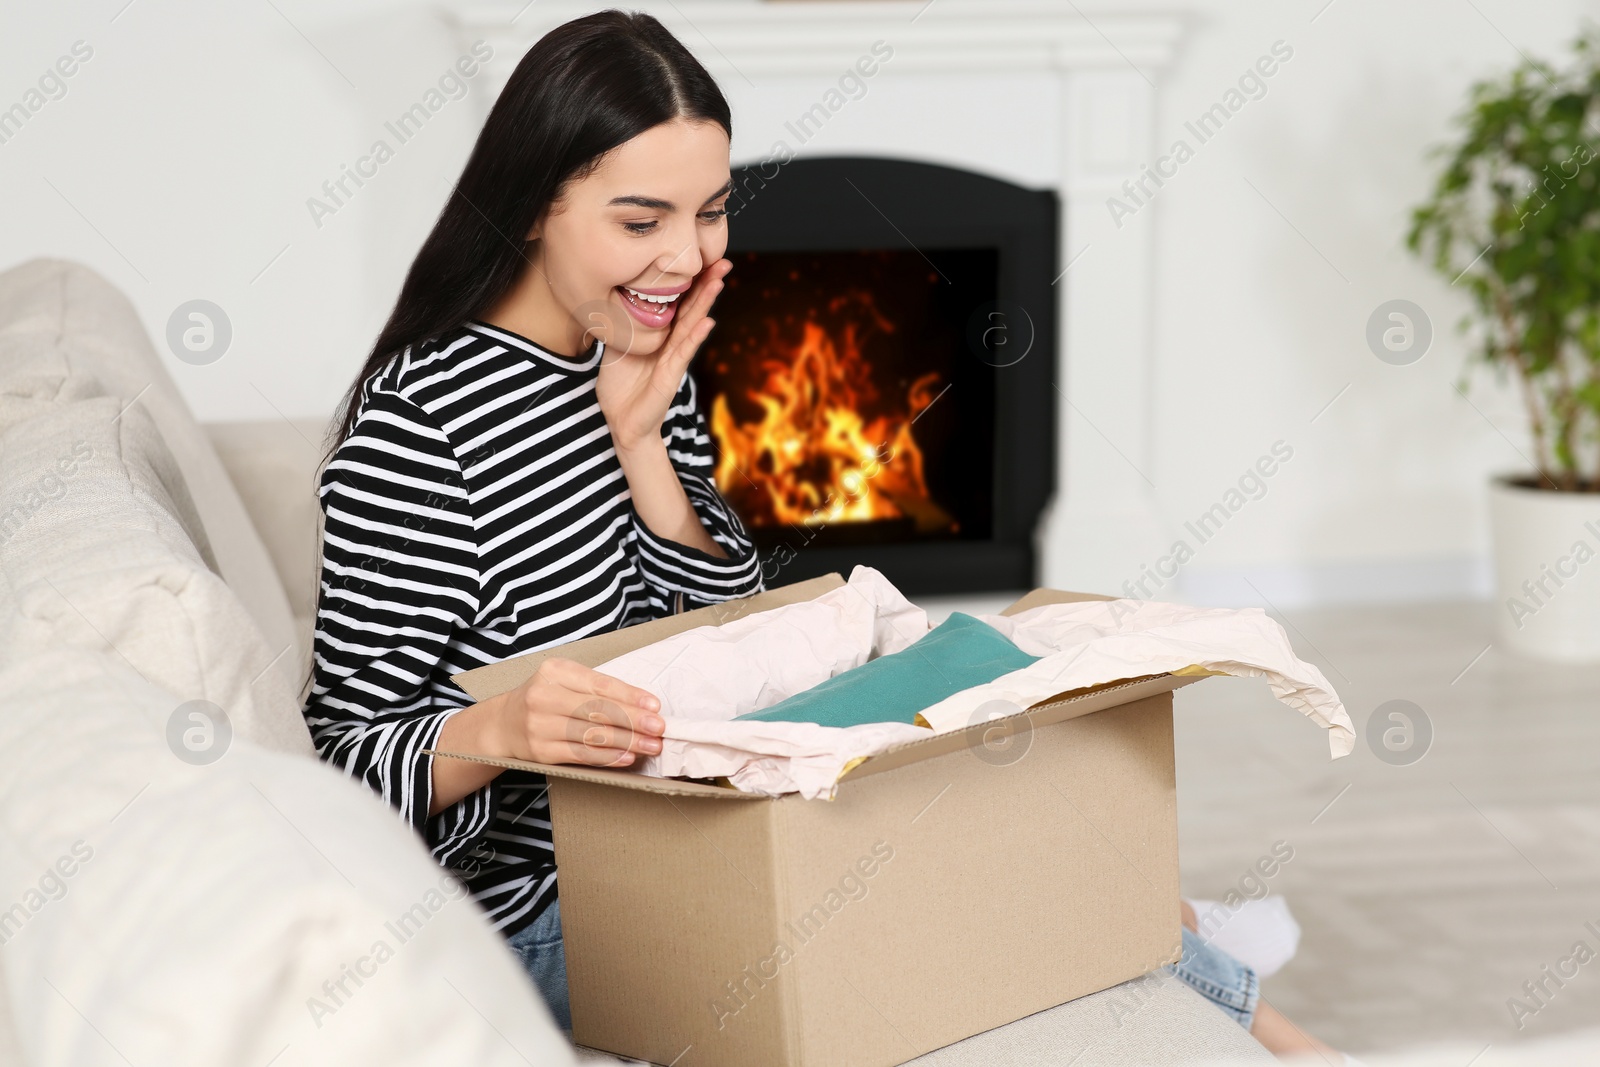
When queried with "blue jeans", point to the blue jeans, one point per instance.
{"points": [[544, 956], [1217, 976], [1209, 971]]}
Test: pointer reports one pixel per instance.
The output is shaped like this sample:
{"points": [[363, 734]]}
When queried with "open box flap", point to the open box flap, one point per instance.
{"points": [[675, 787], [485, 682], [491, 680], [1038, 597], [1051, 710]]}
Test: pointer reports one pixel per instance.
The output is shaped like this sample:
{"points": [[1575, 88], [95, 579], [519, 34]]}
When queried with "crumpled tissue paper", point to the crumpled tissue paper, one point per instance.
{"points": [[706, 676]]}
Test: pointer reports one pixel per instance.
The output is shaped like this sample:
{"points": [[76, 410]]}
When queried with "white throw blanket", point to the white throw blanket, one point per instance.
{"points": [[707, 676]]}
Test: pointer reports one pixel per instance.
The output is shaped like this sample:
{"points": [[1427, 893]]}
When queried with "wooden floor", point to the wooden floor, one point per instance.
{"points": [[1428, 892]]}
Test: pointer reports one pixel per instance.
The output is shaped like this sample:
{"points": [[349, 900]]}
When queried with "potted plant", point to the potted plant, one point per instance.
{"points": [[1514, 220]]}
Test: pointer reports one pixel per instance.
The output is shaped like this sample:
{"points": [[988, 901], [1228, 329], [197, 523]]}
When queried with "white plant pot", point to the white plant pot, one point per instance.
{"points": [[1547, 572]]}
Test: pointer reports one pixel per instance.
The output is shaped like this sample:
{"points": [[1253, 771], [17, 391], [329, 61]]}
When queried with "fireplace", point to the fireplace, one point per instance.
{"points": [[1028, 91], [879, 385]]}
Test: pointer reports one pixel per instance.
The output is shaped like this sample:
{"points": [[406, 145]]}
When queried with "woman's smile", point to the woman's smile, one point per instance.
{"points": [[653, 308]]}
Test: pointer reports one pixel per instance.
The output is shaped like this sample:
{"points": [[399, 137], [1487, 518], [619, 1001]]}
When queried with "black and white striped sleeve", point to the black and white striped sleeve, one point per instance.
{"points": [[671, 568], [399, 578]]}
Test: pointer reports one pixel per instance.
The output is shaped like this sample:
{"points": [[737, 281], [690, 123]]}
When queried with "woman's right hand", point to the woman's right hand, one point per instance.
{"points": [[568, 713]]}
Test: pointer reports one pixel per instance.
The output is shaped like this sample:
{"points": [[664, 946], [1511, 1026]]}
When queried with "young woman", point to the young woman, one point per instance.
{"points": [[523, 461]]}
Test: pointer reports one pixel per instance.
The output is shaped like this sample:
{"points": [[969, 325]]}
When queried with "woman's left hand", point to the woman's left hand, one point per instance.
{"points": [[635, 390]]}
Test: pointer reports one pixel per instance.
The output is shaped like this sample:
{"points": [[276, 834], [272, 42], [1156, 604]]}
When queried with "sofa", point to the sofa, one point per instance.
{"points": [[183, 881]]}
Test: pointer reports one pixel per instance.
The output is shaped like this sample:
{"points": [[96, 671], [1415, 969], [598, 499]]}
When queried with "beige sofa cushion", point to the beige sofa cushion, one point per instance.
{"points": [[258, 909], [67, 332], [275, 466], [101, 549]]}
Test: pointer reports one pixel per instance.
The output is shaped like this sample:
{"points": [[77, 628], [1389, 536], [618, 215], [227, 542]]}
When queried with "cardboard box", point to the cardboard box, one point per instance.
{"points": [[949, 888]]}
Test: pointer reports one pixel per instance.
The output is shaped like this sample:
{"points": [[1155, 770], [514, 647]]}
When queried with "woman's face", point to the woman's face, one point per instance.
{"points": [[650, 218]]}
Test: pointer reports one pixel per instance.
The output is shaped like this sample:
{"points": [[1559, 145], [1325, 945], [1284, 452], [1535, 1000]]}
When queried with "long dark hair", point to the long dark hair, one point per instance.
{"points": [[584, 88]]}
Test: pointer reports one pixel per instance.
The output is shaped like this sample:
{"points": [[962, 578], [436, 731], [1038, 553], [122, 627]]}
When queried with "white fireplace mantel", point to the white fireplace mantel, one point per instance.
{"points": [[1041, 92]]}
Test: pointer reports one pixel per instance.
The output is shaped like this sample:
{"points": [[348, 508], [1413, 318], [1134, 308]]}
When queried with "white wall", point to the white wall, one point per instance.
{"points": [[180, 162], [1259, 326], [186, 149]]}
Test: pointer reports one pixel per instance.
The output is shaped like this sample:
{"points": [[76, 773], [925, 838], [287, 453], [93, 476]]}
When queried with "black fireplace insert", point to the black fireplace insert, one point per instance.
{"points": [[879, 384]]}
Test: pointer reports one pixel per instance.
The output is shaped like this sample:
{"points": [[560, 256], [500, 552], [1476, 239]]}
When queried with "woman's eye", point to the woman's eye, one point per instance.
{"points": [[645, 227]]}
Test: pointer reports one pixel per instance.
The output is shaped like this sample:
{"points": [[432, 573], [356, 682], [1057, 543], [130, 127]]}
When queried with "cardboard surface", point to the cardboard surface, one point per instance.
{"points": [[749, 934], [949, 888]]}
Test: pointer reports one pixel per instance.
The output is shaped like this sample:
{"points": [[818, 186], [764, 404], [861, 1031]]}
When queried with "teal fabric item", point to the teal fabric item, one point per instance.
{"points": [[959, 653]]}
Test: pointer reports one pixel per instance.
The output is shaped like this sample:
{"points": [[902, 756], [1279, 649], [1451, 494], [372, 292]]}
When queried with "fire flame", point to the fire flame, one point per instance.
{"points": [[816, 456]]}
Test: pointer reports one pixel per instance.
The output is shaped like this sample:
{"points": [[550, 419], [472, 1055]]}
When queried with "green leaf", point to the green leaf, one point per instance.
{"points": [[1522, 180]]}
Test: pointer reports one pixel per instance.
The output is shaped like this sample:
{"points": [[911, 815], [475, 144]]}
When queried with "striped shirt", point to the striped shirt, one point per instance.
{"points": [[477, 511]]}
